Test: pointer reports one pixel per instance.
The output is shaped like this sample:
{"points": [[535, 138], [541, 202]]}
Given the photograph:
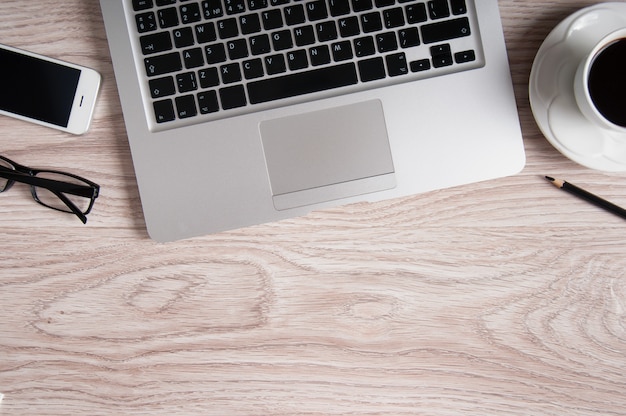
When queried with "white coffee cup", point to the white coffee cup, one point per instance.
{"points": [[600, 83]]}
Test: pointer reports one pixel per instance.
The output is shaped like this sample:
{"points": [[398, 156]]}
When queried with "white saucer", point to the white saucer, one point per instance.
{"points": [[551, 89]]}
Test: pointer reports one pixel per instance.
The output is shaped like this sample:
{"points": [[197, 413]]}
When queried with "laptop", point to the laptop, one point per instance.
{"points": [[241, 112]]}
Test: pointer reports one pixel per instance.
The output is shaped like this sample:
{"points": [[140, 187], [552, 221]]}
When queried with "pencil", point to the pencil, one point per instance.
{"points": [[588, 196]]}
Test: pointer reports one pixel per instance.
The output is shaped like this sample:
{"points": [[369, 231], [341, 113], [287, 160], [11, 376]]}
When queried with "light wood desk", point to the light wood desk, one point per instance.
{"points": [[506, 297]]}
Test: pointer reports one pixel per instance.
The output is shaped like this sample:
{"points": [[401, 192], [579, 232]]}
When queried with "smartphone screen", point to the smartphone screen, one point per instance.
{"points": [[44, 90]]}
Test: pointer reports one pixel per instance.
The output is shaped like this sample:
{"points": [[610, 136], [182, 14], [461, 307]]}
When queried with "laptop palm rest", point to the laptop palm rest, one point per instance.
{"points": [[327, 155]]}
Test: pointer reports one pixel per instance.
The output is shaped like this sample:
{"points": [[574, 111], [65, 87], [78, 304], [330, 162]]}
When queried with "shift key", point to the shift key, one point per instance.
{"points": [[163, 64], [449, 29]]}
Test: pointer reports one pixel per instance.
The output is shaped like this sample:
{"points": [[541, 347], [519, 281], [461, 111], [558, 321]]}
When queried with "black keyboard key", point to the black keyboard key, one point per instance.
{"points": [[397, 64], [215, 53], [193, 58], [146, 22], [227, 28], [302, 83], [157, 42], [316, 10], [257, 4], [442, 49], [420, 65], [186, 82], [209, 77], [230, 73], [274, 64], [386, 42], [250, 23], [304, 35], [233, 97], [164, 2], [384, 3], [326, 31], [163, 64], [416, 13], [234, 6], [190, 13], [372, 69], [272, 19], [364, 46], [139, 5], [342, 51], [183, 37], [212, 9], [464, 56], [279, 2], [297, 60], [282, 40], [186, 106], [458, 7], [294, 14], [349, 26], [409, 37], [361, 5], [164, 111], [393, 18], [162, 87], [320, 55], [339, 7], [371, 22], [237, 49], [207, 102], [205, 32], [260, 44], [441, 31], [167, 17], [253, 68], [438, 9]]}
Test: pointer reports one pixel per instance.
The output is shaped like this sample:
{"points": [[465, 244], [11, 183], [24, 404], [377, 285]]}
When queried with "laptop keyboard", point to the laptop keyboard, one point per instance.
{"points": [[218, 58]]}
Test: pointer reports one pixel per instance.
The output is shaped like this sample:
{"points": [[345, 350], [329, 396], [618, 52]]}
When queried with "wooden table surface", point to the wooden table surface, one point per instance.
{"points": [[505, 297]]}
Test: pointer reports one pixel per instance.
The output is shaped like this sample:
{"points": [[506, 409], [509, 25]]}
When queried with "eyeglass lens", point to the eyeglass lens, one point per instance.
{"points": [[51, 200], [3, 181]]}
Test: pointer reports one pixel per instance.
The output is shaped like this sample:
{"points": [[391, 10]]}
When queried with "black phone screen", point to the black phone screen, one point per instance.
{"points": [[35, 88]]}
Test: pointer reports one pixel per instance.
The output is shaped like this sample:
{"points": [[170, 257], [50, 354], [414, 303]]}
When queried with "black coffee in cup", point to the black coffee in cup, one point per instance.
{"points": [[607, 82]]}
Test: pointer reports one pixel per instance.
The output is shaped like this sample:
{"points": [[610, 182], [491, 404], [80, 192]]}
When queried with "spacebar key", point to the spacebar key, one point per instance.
{"points": [[302, 83]]}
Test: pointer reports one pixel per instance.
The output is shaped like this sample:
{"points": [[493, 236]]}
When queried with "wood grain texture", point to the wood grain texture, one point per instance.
{"points": [[503, 297]]}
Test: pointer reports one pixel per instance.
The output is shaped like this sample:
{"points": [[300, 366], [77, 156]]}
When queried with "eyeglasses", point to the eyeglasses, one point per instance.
{"points": [[53, 189]]}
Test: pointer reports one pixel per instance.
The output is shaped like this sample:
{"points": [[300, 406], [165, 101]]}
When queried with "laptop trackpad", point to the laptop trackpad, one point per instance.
{"points": [[327, 154]]}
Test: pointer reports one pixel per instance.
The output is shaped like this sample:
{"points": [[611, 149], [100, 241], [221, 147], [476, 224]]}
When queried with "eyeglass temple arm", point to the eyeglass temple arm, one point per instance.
{"points": [[71, 206], [50, 184]]}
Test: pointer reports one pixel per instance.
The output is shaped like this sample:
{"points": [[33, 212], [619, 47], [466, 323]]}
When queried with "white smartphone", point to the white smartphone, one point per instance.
{"points": [[47, 91]]}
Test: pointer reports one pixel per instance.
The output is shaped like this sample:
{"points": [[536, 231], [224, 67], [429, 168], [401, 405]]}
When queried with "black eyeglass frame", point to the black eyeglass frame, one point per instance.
{"points": [[26, 175]]}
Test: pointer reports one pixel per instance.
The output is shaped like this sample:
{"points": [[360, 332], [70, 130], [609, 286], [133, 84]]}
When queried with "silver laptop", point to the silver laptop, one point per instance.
{"points": [[241, 112]]}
